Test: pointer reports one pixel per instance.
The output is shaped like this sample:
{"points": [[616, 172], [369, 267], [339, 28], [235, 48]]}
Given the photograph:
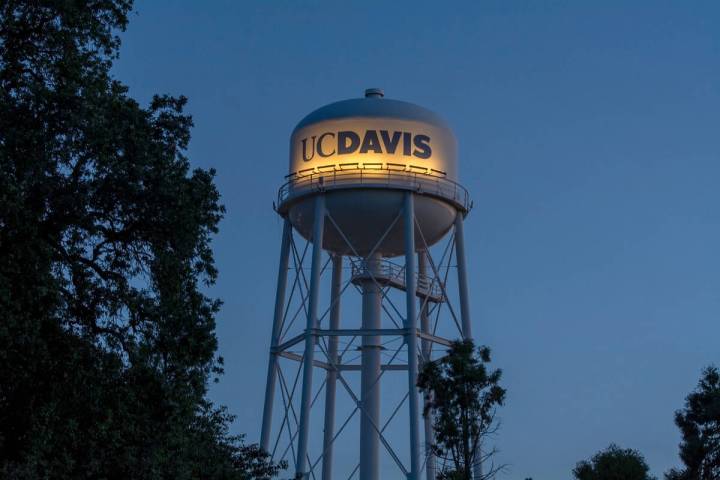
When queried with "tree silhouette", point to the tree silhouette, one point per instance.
{"points": [[463, 396], [614, 463], [107, 342], [699, 423]]}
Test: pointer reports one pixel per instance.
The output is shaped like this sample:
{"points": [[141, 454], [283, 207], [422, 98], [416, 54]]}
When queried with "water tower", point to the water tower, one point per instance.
{"points": [[372, 193]]}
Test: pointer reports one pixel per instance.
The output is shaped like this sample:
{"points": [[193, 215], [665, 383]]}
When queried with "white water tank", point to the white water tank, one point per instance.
{"points": [[363, 154]]}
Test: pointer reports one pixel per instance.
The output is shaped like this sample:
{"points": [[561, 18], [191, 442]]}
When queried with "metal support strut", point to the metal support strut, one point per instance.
{"points": [[301, 463], [411, 336], [277, 323], [462, 277], [331, 375], [465, 314], [426, 346]]}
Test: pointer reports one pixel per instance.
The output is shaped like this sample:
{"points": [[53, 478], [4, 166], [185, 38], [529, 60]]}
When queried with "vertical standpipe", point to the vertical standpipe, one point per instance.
{"points": [[301, 463], [370, 372]]}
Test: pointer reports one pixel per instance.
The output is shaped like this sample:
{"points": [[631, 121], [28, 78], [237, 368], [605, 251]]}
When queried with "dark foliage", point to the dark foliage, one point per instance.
{"points": [[106, 340], [699, 423], [463, 395], [614, 463]]}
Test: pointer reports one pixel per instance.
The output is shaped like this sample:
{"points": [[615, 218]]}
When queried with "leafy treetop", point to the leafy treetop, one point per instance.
{"points": [[699, 423], [614, 463], [107, 341], [462, 394]]}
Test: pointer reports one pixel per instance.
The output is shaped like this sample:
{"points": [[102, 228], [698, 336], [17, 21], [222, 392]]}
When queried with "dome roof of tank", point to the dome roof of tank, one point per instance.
{"points": [[373, 106]]}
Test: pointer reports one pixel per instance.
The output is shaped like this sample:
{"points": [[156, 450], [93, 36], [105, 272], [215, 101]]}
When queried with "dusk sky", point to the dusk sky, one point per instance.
{"points": [[588, 137]]}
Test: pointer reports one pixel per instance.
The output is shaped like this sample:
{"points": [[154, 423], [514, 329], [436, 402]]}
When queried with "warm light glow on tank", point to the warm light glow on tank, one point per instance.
{"points": [[346, 168], [380, 144]]}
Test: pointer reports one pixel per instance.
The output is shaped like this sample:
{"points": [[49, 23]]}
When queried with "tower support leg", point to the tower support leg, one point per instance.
{"points": [[411, 336], [465, 315], [462, 277], [426, 346], [301, 464], [277, 325], [331, 376]]}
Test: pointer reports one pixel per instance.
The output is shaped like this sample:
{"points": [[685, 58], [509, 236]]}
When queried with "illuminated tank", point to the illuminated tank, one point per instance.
{"points": [[363, 154]]}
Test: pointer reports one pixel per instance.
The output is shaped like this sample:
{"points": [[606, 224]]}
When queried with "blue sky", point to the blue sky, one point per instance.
{"points": [[588, 136]]}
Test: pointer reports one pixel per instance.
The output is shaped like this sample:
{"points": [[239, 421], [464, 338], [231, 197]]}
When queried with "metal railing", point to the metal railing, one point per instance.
{"points": [[393, 273], [374, 175]]}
